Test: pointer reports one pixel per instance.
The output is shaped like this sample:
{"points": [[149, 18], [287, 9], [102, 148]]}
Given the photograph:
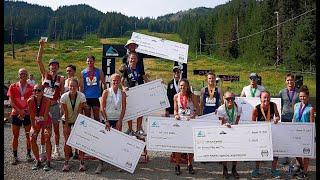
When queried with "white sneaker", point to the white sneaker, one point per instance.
{"points": [[43, 157], [56, 155], [99, 168]]}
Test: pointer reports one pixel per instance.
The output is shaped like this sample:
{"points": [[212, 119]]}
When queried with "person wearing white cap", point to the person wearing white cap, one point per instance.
{"points": [[53, 89], [252, 90], [131, 46], [173, 88]]}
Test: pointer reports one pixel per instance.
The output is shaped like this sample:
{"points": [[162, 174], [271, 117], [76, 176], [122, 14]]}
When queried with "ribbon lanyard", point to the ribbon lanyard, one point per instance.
{"points": [[264, 115], [301, 110], [115, 96], [22, 90], [253, 93], [232, 115], [211, 92], [290, 97], [53, 81], [73, 103], [183, 102], [38, 106]]}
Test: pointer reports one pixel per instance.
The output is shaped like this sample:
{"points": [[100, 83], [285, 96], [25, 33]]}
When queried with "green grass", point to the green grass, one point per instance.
{"points": [[75, 52]]}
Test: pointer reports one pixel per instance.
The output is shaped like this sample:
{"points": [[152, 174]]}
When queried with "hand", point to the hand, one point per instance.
{"points": [[42, 43], [177, 117], [119, 125], [228, 125], [193, 116], [276, 120], [21, 114], [107, 125], [166, 114]]}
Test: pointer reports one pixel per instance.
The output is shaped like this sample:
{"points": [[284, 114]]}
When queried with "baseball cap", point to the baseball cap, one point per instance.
{"points": [[253, 76], [53, 61], [176, 68], [130, 41]]}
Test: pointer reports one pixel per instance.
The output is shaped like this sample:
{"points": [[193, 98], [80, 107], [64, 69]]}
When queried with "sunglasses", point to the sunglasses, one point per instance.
{"points": [[23, 74], [230, 98], [37, 90]]}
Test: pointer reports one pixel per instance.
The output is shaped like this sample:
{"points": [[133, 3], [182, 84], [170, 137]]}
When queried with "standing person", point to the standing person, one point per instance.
{"points": [[229, 113], [40, 120], [18, 94], [173, 89], [131, 47], [211, 96], [303, 113], [31, 81], [133, 76], [113, 107], [73, 103], [289, 97], [266, 111], [186, 107], [252, 90], [91, 77], [53, 88]]}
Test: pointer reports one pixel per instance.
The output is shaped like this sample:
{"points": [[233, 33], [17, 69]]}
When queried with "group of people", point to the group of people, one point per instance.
{"points": [[38, 107]]}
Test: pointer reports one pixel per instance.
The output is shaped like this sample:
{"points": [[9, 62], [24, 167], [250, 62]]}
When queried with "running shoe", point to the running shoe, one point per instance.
{"points": [[190, 169], [130, 132], [47, 166], [302, 175], [15, 161], [99, 169], [255, 173], [66, 167], [82, 167], [140, 133], [235, 173], [275, 173], [29, 158], [36, 166], [177, 170]]}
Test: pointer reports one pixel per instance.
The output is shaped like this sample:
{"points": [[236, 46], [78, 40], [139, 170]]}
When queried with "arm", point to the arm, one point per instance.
{"points": [[175, 107], [46, 112], [124, 87], [103, 104], [201, 101], [65, 110], [242, 93], [312, 114], [61, 85], [103, 80], [145, 78], [39, 59], [254, 114], [196, 105], [276, 114], [32, 115], [81, 85], [220, 96], [168, 95], [123, 111]]}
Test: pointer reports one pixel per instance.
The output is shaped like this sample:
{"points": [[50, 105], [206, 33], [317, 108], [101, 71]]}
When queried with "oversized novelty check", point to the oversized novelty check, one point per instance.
{"points": [[114, 147], [293, 139], [161, 48], [211, 116], [243, 142], [249, 103], [171, 135], [145, 99]]}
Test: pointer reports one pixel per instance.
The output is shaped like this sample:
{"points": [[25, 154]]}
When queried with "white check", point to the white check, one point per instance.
{"points": [[171, 135], [249, 103], [114, 147], [243, 142], [145, 99], [161, 48], [211, 116], [293, 139]]}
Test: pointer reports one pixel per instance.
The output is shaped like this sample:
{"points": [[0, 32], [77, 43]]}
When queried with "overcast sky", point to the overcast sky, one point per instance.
{"points": [[138, 8]]}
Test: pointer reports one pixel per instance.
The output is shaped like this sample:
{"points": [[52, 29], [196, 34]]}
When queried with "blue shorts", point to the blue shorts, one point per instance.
{"points": [[16, 121]]}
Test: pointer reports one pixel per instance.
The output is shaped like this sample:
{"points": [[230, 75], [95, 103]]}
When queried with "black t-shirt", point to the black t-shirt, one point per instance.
{"points": [[133, 76], [139, 63], [260, 116]]}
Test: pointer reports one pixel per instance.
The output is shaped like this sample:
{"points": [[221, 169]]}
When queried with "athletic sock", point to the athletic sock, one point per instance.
{"points": [[15, 154]]}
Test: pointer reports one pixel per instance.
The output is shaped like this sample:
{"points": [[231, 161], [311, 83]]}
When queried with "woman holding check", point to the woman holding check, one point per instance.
{"points": [[186, 107], [113, 107], [229, 114], [266, 111]]}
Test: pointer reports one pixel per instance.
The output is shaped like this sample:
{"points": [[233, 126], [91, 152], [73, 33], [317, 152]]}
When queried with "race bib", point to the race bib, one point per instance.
{"points": [[210, 102], [92, 82], [48, 92]]}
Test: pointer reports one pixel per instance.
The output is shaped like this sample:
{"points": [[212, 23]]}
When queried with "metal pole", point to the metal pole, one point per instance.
{"points": [[11, 33], [200, 46], [278, 53]]}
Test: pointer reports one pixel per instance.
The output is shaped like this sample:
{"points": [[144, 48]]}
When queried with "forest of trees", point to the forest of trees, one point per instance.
{"points": [[218, 28]]}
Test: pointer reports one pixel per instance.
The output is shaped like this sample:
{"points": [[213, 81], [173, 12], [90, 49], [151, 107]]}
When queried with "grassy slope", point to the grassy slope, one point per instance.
{"points": [[75, 52]]}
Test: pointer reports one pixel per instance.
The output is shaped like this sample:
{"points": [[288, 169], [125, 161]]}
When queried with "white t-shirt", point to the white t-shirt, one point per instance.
{"points": [[247, 93], [72, 113], [221, 113], [31, 82]]}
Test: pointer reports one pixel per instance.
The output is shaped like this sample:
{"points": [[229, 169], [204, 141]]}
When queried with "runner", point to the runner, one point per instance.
{"points": [[186, 107], [266, 111], [304, 113], [133, 76], [73, 103], [53, 88], [252, 90], [18, 94], [131, 47], [229, 113], [211, 95], [289, 97], [91, 77], [173, 89], [113, 107], [40, 120]]}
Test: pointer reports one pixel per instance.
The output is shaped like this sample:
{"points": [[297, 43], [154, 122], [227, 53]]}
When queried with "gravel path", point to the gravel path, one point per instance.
{"points": [[158, 167]]}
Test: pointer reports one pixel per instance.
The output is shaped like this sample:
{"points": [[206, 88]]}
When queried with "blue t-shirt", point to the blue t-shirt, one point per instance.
{"points": [[305, 115]]}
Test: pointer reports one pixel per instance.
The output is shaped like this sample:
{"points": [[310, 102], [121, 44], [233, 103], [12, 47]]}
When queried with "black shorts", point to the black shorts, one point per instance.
{"points": [[113, 124], [69, 124], [93, 102], [16, 121]]}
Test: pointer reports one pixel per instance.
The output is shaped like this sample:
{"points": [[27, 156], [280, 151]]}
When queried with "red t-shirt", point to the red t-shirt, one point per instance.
{"points": [[18, 97]]}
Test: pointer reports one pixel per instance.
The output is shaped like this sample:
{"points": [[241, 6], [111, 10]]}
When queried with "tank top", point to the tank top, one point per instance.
{"points": [[260, 115], [91, 80], [113, 105], [52, 87], [40, 110], [73, 111], [210, 105], [305, 117], [188, 110]]}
